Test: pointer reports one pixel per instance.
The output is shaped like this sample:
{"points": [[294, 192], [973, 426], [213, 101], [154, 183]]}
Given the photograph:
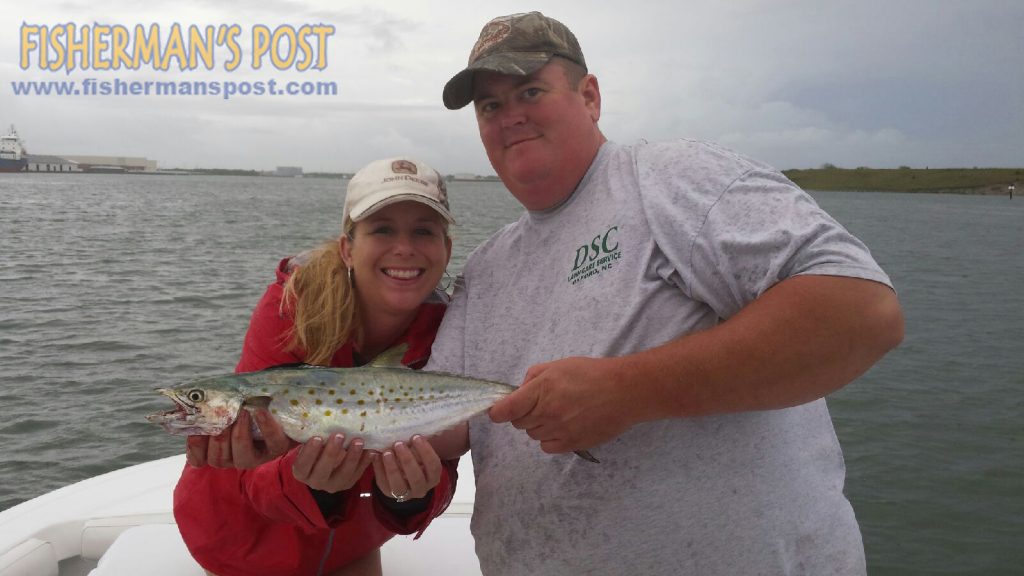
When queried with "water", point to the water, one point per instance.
{"points": [[113, 285]]}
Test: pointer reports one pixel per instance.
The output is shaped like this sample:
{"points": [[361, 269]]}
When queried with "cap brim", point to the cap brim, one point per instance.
{"points": [[396, 198], [459, 90]]}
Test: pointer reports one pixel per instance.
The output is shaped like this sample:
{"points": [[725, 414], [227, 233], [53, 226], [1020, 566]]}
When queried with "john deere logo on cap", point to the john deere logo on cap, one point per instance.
{"points": [[403, 167], [495, 31]]}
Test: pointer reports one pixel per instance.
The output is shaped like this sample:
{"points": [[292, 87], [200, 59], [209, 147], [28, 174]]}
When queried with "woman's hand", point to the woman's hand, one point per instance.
{"points": [[236, 447], [406, 472], [329, 466]]}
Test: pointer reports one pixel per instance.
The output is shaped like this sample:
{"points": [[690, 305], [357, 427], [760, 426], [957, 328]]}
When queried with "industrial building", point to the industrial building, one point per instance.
{"points": [[43, 163], [113, 164]]}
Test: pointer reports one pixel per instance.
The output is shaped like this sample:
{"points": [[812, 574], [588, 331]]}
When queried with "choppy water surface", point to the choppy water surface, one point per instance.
{"points": [[113, 285]]}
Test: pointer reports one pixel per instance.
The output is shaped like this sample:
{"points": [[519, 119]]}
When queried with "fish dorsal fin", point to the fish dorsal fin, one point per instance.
{"points": [[390, 358]]}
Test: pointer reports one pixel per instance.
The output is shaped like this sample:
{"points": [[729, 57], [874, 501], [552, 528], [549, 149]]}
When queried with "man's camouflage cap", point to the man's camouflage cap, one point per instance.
{"points": [[518, 44]]}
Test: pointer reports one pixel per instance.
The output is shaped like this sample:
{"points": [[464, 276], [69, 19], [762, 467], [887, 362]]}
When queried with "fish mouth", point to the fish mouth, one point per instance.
{"points": [[182, 420]]}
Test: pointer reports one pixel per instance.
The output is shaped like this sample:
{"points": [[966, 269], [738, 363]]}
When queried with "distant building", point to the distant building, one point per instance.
{"points": [[464, 176], [41, 163], [288, 171], [113, 163]]}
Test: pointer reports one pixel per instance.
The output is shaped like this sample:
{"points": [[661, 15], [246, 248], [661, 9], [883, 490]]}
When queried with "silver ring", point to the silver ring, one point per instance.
{"points": [[401, 497]]}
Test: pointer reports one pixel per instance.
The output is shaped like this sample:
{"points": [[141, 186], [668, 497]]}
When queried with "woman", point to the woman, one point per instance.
{"points": [[327, 506]]}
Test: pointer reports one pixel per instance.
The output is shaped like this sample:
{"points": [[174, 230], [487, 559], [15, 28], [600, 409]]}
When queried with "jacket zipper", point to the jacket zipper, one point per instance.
{"points": [[327, 553]]}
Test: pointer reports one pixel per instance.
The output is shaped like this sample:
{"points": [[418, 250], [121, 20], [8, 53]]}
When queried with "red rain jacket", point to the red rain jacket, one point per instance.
{"points": [[264, 521]]}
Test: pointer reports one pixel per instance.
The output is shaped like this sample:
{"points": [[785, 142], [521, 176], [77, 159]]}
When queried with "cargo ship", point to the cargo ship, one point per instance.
{"points": [[12, 153]]}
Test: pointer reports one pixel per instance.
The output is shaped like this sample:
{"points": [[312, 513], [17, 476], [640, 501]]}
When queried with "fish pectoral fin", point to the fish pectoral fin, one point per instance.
{"points": [[390, 358]]}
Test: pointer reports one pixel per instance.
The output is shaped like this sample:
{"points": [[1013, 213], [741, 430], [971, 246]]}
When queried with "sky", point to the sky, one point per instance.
{"points": [[794, 83]]}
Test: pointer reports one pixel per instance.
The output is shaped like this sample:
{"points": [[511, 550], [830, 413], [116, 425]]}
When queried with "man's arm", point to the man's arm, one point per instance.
{"points": [[802, 339]]}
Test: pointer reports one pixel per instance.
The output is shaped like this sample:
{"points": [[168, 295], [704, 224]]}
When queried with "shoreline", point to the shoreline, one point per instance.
{"points": [[968, 181], [963, 181]]}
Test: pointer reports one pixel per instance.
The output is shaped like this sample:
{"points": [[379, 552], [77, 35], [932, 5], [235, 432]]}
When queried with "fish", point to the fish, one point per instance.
{"points": [[382, 403]]}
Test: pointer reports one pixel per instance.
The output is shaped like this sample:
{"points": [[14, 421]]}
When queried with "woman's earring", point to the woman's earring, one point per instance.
{"points": [[446, 282], [349, 277]]}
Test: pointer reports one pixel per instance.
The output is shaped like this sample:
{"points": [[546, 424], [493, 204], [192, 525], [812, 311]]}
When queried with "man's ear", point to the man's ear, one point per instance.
{"points": [[591, 93]]}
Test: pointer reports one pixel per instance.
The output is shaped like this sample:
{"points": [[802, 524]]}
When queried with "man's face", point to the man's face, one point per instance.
{"points": [[539, 132]]}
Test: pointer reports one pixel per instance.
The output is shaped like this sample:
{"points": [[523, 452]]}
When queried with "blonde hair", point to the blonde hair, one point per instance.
{"points": [[322, 304]]}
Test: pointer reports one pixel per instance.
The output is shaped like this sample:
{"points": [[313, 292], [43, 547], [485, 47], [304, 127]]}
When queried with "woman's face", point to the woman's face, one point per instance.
{"points": [[397, 256]]}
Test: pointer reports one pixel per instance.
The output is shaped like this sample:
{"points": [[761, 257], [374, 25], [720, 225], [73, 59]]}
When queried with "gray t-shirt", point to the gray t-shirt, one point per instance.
{"points": [[658, 240]]}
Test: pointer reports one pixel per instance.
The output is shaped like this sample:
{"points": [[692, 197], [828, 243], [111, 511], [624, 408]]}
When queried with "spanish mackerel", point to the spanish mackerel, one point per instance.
{"points": [[382, 402]]}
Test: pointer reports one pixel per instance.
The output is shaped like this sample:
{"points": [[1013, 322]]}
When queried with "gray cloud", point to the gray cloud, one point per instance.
{"points": [[795, 83]]}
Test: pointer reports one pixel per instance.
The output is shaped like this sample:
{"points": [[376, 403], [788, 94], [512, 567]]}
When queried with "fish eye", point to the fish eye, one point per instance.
{"points": [[196, 395]]}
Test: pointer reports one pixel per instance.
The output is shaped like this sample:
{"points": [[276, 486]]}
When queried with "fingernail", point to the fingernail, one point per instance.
{"points": [[338, 439], [399, 445], [417, 438]]}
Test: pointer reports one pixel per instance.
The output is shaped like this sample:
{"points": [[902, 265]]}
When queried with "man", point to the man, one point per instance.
{"points": [[677, 309]]}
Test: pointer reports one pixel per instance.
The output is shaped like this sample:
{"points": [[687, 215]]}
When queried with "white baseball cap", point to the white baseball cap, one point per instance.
{"points": [[385, 182]]}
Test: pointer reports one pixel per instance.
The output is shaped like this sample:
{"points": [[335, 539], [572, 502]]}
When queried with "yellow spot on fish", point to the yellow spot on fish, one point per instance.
{"points": [[352, 391], [312, 392], [398, 399], [344, 410], [391, 390], [362, 426], [361, 402], [273, 410], [305, 414], [294, 402], [331, 391], [319, 401], [327, 412], [363, 414], [339, 401], [284, 391], [370, 392]]}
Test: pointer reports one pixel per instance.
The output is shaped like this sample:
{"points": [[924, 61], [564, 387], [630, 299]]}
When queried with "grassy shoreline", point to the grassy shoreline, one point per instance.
{"points": [[988, 181]]}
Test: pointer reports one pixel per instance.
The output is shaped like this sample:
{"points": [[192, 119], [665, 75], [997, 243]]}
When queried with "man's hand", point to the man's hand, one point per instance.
{"points": [[570, 404], [235, 447]]}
